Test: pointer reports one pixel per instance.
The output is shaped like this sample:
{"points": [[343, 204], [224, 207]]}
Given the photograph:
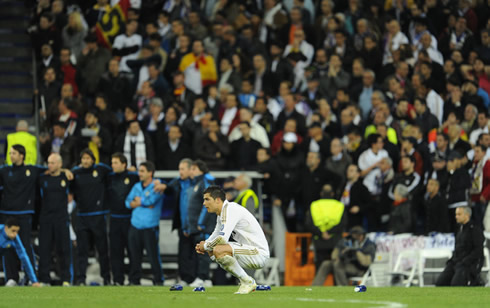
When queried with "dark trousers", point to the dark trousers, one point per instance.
{"points": [[56, 233], [454, 275], [118, 239], [144, 239], [95, 227], [202, 262], [187, 256], [11, 262]]}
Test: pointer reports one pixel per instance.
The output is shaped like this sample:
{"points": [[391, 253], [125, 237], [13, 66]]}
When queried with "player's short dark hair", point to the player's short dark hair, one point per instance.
{"points": [[88, 152], [201, 165], [12, 221], [121, 157], [215, 192], [150, 166], [21, 149]]}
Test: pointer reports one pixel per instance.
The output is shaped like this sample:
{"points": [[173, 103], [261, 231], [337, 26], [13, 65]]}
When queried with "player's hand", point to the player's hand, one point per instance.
{"points": [[69, 174], [354, 210], [200, 248], [36, 285], [132, 169], [160, 188]]}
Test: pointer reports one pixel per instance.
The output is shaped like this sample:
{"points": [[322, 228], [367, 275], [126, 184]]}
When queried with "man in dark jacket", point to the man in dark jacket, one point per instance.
{"points": [[436, 219], [213, 147], [65, 145], [467, 260], [355, 197], [458, 185]]}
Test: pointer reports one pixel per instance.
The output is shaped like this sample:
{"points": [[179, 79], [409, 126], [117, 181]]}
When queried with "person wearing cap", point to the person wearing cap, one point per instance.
{"points": [[96, 138], [463, 269], [19, 183], [24, 138], [290, 159], [88, 189], [458, 184], [351, 257]]}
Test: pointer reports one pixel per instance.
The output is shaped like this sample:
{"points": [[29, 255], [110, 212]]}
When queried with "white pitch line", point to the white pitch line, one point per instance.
{"points": [[377, 304]]}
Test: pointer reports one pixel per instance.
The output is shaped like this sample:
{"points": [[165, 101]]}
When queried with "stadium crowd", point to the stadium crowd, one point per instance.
{"points": [[385, 101]]}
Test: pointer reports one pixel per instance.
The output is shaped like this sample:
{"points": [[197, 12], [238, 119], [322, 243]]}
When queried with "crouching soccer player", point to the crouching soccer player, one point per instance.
{"points": [[249, 248], [9, 238]]}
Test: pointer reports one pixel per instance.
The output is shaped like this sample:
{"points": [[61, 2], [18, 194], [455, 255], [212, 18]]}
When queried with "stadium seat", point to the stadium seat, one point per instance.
{"points": [[486, 265], [376, 273], [269, 274], [431, 254]]}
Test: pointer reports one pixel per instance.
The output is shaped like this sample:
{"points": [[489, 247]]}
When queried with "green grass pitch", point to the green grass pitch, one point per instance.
{"points": [[215, 297]]}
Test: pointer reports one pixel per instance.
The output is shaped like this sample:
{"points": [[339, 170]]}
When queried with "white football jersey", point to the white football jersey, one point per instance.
{"points": [[237, 224]]}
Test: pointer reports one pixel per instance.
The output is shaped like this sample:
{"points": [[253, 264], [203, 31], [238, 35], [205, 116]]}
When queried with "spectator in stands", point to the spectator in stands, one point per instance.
{"points": [[107, 118], [257, 132], [228, 75], [370, 158], [425, 119], [135, 144], [409, 149], [401, 216], [464, 266], [407, 177], [116, 87], [336, 77], [73, 34], [243, 151], [49, 91], [48, 59], [144, 231], [480, 184], [455, 141], [63, 144], [45, 33], [213, 148], [126, 46], [96, 137], [68, 70], [172, 149], [394, 39], [91, 65], [435, 209], [290, 112], [199, 68], [154, 124], [66, 114], [230, 115], [480, 128]]}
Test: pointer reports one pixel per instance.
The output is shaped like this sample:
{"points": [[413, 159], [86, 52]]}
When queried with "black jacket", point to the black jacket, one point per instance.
{"points": [[168, 159], [468, 249], [436, 214], [88, 187], [54, 198], [118, 187], [401, 218]]}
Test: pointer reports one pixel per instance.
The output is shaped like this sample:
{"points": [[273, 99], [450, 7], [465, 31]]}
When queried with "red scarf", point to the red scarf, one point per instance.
{"points": [[201, 59], [397, 203]]}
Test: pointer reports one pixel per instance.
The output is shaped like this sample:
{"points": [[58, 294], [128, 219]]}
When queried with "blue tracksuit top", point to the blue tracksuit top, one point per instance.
{"points": [[6, 243], [148, 214], [183, 204]]}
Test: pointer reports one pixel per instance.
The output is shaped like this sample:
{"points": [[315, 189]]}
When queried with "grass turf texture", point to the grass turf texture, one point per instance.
{"points": [[282, 297]]}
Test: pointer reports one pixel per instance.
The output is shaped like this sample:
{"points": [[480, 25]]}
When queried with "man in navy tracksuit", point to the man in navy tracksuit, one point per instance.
{"points": [[9, 239], [178, 187], [54, 222], [19, 191], [145, 221], [88, 188], [119, 184]]}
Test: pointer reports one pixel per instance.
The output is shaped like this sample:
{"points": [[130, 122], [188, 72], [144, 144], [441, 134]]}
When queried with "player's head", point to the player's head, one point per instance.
{"points": [[146, 170], [54, 163], [12, 228], [119, 162], [17, 154], [214, 196], [198, 168], [87, 158]]}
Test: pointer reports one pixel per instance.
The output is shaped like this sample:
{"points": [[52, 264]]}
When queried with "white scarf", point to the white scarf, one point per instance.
{"points": [[140, 148], [477, 177]]}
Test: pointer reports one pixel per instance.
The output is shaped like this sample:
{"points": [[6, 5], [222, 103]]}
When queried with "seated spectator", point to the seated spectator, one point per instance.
{"points": [[127, 45]]}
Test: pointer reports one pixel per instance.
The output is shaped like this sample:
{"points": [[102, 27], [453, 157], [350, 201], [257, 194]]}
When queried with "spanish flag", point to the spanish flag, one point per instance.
{"points": [[112, 23]]}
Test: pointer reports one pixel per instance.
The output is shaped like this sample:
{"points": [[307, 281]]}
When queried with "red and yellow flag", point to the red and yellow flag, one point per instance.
{"points": [[112, 23]]}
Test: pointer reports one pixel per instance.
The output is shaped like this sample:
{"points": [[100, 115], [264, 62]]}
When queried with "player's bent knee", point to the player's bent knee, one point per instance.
{"points": [[221, 251]]}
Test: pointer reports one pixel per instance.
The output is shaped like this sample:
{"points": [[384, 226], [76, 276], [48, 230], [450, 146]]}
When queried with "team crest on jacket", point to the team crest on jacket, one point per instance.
{"points": [[28, 172], [8, 246], [147, 193], [63, 183], [95, 174], [126, 181], [196, 188]]}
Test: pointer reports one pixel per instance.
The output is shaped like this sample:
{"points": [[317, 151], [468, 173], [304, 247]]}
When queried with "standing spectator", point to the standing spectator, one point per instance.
{"points": [[119, 184], [228, 75], [458, 184], [425, 119], [127, 45], [145, 222], [213, 148], [394, 39], [116, 87], [136, 145], [480, 183], [173, 149], [338, 160], [230, 115], [435, 209], [257, 131], [73, 34], [355, 197], [260, 76], [61, 143], [91, 65], [481, 127], [401, 216], [49, 91], [464, 266], [199, 69], [54, 222], [336, 77], [107, 118], [24, 138], [68, 70], [290, 112], [88, 189], [96, 138], [370, 158], [243, 151]]}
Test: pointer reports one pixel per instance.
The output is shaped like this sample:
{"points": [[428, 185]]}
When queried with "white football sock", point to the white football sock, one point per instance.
{"points": [[230, 264]]}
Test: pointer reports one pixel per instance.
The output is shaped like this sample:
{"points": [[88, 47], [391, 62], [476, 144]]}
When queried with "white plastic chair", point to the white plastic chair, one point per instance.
{"points": [[406, 256], [431, 254], [269, 274]]}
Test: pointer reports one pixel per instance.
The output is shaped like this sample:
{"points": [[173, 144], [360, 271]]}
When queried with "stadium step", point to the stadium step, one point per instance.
{"points": [[15, 77], [15, 49]]}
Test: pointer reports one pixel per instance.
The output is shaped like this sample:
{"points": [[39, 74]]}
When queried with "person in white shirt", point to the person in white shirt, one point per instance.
{"points": [[249, 248], [370, 159], [394, 39], [127, 45]]}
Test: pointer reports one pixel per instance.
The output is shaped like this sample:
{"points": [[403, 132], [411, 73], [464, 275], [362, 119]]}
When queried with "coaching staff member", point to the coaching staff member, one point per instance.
{"points": [[465, 265], [145, 221], [119, 184], [88, 188], [54, 222]]}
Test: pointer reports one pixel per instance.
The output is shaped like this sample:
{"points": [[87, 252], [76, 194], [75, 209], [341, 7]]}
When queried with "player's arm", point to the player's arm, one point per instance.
{"points": [[151, 199], [225, 232], [24, 258], [130, 202]]}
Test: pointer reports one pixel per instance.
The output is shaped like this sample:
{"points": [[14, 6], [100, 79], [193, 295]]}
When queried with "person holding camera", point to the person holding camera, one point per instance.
{"points": [[351, 257]]}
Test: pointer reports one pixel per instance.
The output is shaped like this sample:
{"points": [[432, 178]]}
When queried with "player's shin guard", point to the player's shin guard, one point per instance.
{"points": [[230, 264]]}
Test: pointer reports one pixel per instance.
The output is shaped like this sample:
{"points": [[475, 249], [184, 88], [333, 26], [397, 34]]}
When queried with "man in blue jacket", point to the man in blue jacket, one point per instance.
{"points": [[9, 238], [145, 221]]}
